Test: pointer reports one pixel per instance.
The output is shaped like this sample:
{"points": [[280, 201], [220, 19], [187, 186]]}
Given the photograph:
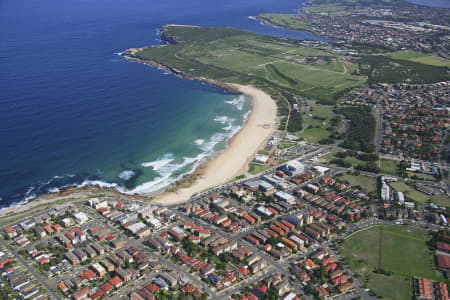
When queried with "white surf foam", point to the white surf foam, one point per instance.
{"points": [[98, 183], [199, 142], [26, 199], [223, 119], [126, 175], [238, 102], [158, 164], [53, 190], [166, 168], [247, 114], [166, 172]]}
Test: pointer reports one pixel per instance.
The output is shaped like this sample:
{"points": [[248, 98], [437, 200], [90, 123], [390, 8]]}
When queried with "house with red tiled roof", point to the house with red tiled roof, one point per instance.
{"points": [[443, 246], [326, 261], [48, 229], [98, 294], [116, 281], [152, 288], [57, 227], [9, 232], [195, 239], [62, 287], [339, 280], [244, 271], [322, 292], [89, 274], [443, 261], [136, 296], [251, 296], [442, 291], [345, 287], [188, 288], [147, 295], [81, 293], [106, 287]]}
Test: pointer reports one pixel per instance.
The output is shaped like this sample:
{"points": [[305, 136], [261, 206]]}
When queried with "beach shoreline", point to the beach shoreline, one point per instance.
{"points": [[240, 150], [219, 169]]}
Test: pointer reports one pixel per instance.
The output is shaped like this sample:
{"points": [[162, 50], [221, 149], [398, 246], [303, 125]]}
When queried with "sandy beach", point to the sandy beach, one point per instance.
{"points": [[234, 160], [228, 164]]}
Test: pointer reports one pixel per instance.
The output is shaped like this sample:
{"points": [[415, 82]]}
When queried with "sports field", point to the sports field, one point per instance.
{"points": [[399, 250]]}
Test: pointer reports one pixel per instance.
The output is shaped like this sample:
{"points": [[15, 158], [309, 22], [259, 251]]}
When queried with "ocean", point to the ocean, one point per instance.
{"points": [[72, 111]]}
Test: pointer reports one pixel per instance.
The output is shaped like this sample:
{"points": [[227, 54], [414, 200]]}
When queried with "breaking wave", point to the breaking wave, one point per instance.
{"points": [[238, 102], [158, 164], [223, 119]]}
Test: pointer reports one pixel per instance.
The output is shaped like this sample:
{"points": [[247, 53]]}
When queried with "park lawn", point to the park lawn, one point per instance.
{"points": [[388, 166], [411, 193], [312, 122], [285, 145], [255, 168], [391, 287], [441, 201], [314, 135], [368, 184], [401, 250], [349, 159], [421, 176], [318, 111], [326, 158]]}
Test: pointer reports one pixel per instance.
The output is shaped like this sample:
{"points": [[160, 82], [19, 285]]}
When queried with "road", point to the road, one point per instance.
{"points": [[379, 129]]}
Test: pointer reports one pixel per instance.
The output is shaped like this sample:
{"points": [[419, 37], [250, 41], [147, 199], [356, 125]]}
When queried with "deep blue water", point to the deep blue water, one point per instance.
{"points": [[433, 3], [72, 110]]}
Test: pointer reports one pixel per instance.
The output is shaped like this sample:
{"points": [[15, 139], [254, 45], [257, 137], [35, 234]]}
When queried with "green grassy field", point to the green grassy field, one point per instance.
{"points": [[255, 169], [349, 159], [421, 176], [368, 184], [312, 122], [411, 193], [388, 166], [334, 7], [314, 135], [285, 20], [271, 63], [398, 249], [391, 287], [427, 59], [380, 68]]}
